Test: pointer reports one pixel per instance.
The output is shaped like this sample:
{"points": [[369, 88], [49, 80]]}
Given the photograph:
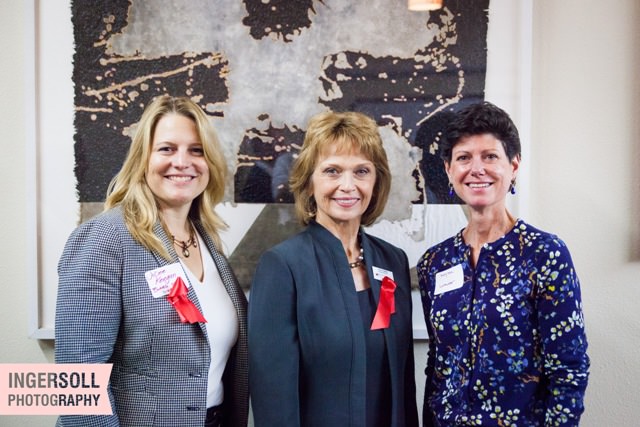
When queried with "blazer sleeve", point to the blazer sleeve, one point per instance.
{"points": [[274, 353], [88, 308]]}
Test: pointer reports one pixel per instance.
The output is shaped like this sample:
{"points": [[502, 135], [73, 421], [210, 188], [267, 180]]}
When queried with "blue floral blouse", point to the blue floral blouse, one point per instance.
{"points": [[507, 344]]}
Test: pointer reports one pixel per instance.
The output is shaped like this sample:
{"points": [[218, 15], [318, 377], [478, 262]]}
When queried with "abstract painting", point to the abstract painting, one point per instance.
{"points": [[261, 69]]}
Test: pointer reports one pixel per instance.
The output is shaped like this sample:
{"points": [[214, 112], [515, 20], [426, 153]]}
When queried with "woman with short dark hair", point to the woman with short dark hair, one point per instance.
{"points": [[501, 298]]}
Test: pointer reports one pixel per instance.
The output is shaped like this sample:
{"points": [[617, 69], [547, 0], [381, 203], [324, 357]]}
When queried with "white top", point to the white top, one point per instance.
{"points": [[222, 321]]}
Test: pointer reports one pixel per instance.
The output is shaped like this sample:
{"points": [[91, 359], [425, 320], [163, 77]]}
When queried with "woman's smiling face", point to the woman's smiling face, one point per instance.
{"points": [[177, 172], [342, 184], [480, 171]]}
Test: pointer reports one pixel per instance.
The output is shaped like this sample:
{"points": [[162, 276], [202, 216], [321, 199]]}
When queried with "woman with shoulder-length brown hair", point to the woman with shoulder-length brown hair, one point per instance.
{"points": [[330, 331], [145, 286]]}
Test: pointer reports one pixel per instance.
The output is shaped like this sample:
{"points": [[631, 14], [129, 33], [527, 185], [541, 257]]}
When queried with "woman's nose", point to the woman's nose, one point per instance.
{"points": [[477, 168], [182, 159], [347, 183]]}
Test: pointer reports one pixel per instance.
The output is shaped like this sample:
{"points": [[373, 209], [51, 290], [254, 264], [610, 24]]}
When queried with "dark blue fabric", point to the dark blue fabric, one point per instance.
{"points": [[508, 346], [307, 347], [378, 397]]}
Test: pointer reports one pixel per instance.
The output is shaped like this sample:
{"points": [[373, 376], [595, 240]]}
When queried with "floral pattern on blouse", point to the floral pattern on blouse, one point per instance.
{"points": [[507, 345]]}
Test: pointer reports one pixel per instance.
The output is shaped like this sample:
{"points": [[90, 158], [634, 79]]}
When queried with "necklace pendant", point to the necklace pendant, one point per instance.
{"points": [[186, 253]]}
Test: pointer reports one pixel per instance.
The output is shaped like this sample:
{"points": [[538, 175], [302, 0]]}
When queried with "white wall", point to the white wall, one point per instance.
{"points": [[586, 180], [14, 305], [585, 163]]}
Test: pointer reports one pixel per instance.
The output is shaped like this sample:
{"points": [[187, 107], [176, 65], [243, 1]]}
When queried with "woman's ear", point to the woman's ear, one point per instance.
{"points": [[515, 164], [447, 167]]}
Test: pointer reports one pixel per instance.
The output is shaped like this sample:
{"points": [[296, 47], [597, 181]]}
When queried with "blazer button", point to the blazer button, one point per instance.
{"points": [[193, 408]]}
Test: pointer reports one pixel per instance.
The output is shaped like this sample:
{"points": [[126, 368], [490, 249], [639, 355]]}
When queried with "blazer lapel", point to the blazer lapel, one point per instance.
{"points": [[167, 242], [228, 278]]}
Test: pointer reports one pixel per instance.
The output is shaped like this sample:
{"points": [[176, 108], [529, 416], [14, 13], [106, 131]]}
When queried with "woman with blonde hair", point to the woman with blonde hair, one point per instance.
{"points": [[145, 286], [330, 331]]}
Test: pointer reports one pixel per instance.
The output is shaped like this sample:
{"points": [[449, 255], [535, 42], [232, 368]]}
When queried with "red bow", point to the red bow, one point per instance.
{"points": [[386, 305], [187, 311]]}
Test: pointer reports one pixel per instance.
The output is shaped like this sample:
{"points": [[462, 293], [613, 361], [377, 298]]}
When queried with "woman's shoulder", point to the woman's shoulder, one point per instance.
{"points": [[292, 254], [541, 245], [104, 235], [103, 225], [293, 245], [536, 237]]}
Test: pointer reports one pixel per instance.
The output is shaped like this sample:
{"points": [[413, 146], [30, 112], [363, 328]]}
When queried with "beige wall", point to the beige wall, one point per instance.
{"points": [[585, 163], [14, 307], [586, 180]]}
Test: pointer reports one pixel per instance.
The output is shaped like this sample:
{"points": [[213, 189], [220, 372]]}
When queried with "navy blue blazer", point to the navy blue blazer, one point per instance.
{"points": [[105, 313], [307, 347]]}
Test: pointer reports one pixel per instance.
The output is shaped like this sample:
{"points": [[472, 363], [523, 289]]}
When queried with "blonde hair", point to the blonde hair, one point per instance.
{"points": [[129, 188], [347, 131]]}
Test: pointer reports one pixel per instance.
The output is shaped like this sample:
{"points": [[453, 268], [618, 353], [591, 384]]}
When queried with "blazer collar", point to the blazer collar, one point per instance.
{"points": [[325, 236]]}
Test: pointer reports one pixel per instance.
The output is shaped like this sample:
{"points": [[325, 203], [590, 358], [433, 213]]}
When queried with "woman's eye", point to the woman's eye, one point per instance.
{"points": [[362, 172], [165, 148], [198, 151], [330, 171]]}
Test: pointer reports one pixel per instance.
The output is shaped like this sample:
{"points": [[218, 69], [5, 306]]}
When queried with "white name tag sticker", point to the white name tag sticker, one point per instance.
{"points": [[161, 279], [449, 279], [379, 273]]}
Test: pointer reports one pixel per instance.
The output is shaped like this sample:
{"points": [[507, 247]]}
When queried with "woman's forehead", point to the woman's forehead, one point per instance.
{"points": [[341, 147], [483, 140]]}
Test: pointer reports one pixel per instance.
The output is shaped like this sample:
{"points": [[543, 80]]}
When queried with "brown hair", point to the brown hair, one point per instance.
{"points": [[348, 131]]}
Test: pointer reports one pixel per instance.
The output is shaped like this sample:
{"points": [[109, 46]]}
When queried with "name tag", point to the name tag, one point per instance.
{"points": [[161, 279], [449, 279], [379, 273]]}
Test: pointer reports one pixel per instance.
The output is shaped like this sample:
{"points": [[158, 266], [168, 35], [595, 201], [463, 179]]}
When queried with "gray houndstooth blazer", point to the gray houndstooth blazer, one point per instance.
{"points": [[106, 314]]}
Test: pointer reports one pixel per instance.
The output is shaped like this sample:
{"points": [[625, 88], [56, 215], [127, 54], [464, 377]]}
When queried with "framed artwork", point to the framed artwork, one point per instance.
{"points": [[261, 70]]}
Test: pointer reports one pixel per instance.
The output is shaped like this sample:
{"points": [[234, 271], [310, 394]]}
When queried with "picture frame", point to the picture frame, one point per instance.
{"points": [[53, 209]]}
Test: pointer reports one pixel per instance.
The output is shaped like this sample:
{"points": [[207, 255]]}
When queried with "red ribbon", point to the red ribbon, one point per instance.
{"points": [[386, 304], [187, 311]]}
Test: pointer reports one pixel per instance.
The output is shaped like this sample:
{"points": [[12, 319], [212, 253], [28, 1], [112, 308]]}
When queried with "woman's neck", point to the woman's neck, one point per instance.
{"points": [[177, 223], [347, 233], [486, 228]]}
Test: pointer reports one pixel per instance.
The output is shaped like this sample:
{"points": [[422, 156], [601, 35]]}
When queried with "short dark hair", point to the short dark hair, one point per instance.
{"points": [[478, 119]]}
